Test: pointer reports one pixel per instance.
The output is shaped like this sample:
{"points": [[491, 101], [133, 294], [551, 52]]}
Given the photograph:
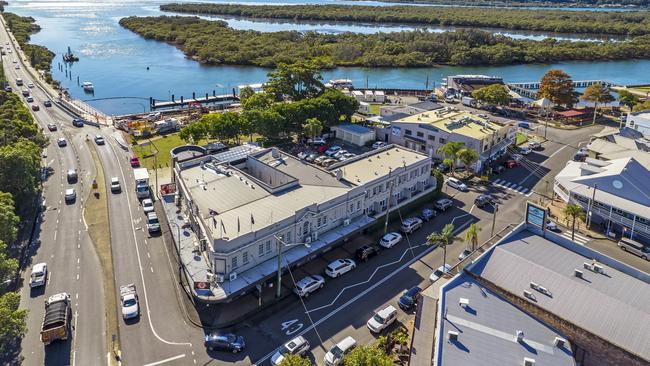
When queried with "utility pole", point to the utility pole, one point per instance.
{"points": [[591, 206], [390, 195], [545, 127], [279, 289], [494, 218]]}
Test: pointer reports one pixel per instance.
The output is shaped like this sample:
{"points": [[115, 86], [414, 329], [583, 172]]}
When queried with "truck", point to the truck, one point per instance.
{"points": [[129, 301], [57, 318], [468, 101], [168, 125], [141, 182]]}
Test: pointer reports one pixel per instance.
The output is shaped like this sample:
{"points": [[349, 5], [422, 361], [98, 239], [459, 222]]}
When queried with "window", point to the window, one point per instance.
{"points": [[423, 170], [244, 258], [234, 262], [288, 237], [305, 228], [260, 250], [375, 190], [431, 138], [268, 246], [358, 205], [414, 188], [351, 207], [442, 141], [413, 174], [420, 134], [408, 132]]}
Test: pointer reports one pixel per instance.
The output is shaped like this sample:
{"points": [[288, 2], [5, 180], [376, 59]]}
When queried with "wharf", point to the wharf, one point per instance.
{"points": [[226, 99]]}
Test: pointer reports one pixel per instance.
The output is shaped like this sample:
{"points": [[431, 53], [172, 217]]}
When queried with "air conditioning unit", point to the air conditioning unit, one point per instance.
{"points": [[233, 276], [598, 268], [578, 273], [587, 265], [529, 361], [534, 285], [346, 222], [452, 336], [308, 240], [528, 295], [220, 278], [559, 342]]}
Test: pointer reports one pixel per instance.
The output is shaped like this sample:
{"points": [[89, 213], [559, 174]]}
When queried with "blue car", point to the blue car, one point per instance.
{"points": [[224, 342], [409, 299], [524, 124], [428, 214]]}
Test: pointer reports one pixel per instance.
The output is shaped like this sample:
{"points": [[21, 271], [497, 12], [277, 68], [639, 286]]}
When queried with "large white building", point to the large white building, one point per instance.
{"points": [[639, 121], [244, 213]]}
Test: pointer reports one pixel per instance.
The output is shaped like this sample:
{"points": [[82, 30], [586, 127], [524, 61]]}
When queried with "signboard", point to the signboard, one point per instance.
{"points": [[168, 188], [396, 131], [535, 215]]}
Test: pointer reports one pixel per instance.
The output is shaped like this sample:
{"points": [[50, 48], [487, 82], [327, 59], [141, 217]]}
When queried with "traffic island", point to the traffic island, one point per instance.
{"points": [[97, 221]]}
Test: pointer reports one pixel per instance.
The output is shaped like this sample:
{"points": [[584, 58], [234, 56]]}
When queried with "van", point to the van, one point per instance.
{"points": [[335, 355], [19, 82], [634, 247]]}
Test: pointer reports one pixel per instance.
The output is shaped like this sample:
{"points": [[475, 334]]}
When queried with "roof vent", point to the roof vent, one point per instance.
{"points": [[463, 302], [534, 285], [578, 273], [529, 361], [559, 342], [453, 336], [529, 295], [520, 336], [599, 269], [588, 266]]}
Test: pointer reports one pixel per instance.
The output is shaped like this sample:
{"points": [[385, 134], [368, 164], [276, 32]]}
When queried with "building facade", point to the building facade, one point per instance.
{"points": [[639, 121]]}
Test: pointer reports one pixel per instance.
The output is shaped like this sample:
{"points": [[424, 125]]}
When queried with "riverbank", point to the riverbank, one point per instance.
{"points": [[577, 22], [214, 43]]}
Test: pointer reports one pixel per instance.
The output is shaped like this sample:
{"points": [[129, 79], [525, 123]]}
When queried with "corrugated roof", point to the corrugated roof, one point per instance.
{"points": [[614, 305], [475, 127]]}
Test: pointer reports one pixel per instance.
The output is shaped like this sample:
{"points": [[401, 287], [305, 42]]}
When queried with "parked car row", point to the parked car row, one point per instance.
{"points": [[332, 156]]}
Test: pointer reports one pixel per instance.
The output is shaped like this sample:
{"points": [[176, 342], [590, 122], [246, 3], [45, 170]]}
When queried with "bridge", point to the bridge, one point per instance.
{"points": [[528, 89]]}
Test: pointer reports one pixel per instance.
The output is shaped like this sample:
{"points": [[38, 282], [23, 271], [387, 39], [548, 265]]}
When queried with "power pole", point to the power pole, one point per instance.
{"points": [[390, 195], [494, 218]]}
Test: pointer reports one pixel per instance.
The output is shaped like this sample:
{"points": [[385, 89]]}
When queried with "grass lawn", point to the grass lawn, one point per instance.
{"points": [[521, 138], [163, 144], [374, 109]]}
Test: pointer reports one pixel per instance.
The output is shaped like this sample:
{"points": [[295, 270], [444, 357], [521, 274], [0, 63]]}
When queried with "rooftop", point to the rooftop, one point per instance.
{"points": [[378, 163], [353, 128], [459, 122], [487, 330], [621, 293]]}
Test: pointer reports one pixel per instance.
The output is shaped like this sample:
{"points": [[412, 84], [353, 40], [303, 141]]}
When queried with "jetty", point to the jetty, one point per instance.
{"points": [[224, 100]]}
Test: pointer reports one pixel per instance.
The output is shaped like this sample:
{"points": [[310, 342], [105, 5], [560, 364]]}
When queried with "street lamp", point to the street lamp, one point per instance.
{"points": [[281, 244]]}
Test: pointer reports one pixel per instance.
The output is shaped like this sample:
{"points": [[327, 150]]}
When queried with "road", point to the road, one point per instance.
{"points": [[62, 242]]}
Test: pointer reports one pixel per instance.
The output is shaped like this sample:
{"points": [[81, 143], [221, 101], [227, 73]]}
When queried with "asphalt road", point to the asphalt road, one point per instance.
{"points": [[62, 242]]}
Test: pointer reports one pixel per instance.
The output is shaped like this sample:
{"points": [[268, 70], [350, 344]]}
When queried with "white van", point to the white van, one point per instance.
{"points": [[382, 319], [634, 247], [335, 355]]}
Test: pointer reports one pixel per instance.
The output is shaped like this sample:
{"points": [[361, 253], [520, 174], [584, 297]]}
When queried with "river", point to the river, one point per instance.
{"points": [[115, 60]]}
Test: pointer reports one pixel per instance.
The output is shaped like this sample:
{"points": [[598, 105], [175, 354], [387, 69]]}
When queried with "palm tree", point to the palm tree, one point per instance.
{"points": [[574, 212], [450, 151], [313, 127], [471, 236], [442, 239]]}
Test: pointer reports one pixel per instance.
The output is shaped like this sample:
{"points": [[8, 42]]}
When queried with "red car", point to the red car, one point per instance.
{"points": [[511, 164], [135, 163], [35, 107]]}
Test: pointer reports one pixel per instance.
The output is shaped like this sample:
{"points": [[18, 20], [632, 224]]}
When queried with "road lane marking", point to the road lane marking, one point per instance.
{"points": [[542, 164], [151, 268], [165, 360], [55, 231]]}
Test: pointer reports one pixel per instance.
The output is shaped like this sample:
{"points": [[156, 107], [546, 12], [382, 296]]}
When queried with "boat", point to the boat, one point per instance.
{"points": [[69, 56], [340, 83], [88, 86]]}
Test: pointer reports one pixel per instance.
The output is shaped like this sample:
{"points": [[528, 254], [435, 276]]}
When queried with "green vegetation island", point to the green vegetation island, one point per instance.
{"points": [[213, 42], [531, 3], [561, 21]]}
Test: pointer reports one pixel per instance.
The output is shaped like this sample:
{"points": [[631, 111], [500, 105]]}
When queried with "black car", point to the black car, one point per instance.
{"points": [[365, 252], [442, 168], [77, 122], [224, 342], [409, 299], [483, 200], [51, 127], [47, 103]]}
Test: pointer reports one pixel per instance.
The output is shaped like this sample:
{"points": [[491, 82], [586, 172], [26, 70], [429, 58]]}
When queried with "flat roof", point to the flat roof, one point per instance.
{"points": [[379, 163], [459, 122], [352, 128], [487, 328], [612, 305]]}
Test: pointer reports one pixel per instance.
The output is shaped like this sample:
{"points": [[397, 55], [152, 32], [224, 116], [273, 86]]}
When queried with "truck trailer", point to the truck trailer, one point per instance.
{"points": [[57, 318]]}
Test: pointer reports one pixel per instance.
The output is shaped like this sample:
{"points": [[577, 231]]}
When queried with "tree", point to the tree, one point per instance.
{"points": [[468, 157], [442, 239], [12, 322], [450, 150], [297, 81], [627, 99], [597, 93], [440, 180], [313, 127], [257, 101], [8, 218], [195, 132], [8, 266], [641, 106], [344, 105], [363, 355], [471, 235], [245, 93], [267, 123], [495, 94], [557, 86], [20, 166], [574, 212], [294, 360]]}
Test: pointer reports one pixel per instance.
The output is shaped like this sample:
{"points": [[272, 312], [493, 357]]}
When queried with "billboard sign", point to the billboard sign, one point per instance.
{"points": [[535, 215]]}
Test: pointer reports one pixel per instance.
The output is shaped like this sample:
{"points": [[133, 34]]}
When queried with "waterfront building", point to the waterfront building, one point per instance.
{"points": [[466, 84], [639, 121]]}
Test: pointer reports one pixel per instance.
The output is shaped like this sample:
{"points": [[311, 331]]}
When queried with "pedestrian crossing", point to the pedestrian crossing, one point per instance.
{"points": [[513, 187], [580, 239]]}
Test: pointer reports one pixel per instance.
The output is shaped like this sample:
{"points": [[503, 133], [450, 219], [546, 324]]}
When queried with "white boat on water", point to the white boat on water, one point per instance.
{"points": [[339, 83], [88, 86]]}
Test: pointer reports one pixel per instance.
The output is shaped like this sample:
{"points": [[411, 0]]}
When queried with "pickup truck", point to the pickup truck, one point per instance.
{"points": [[129, 300], [57, 318]]}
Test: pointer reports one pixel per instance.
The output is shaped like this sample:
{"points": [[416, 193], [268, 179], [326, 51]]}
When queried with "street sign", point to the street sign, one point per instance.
{"points": [[535, 215]]}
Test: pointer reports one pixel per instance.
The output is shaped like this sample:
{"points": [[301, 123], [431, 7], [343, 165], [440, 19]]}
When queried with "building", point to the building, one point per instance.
{"points": [[427, 132], [408, 110], [614, 191], [354, 134], [244, 213], [536, 298], [639, 121], [466, 84]]}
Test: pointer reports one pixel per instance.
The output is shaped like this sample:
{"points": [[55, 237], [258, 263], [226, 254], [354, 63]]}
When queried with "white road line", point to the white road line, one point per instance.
{"points": [[77, 276], [55, 231], [542, 164], [165, 360], [151, 268]]}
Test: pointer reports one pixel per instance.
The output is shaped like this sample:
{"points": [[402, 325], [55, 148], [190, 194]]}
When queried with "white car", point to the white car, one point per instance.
{"points": [[70, 195], [30, 85], [308, 285], [38, 276], [147, 205], [455, 183], [439, 272], [335, 355], [296, 346], [465, 253], [534, 145], [319, 160], [382, 319], [316, 141], [378, 144], [411, 224], [332, 150], [550, 225], [17, 66], [115, 185], [339, 153], [346, 156], [339, 267], [443, 204], [390, 239], [524, 150]]}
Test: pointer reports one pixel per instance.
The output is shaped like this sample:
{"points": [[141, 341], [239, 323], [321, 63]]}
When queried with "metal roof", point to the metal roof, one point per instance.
{"points": [[613, 305]]}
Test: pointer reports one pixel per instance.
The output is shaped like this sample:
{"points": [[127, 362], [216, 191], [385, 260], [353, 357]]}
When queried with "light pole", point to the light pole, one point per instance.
{"points": [[281, 244], [178, 251]]}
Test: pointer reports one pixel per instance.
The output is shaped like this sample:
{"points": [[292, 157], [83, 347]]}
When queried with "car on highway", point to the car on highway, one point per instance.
{"points": [[99, 140], [224, 342], [30, 85], [15, 61], [334, 356], [382, 319], [464, 254], [77, 122], [524, 150], [147, 205], [366, 252], [72, 175], [17, 66], [29, 99], [135, 162], [51, 127], [61, 142], [482, 200], [439, 272], [332, 150], [456, 183], [378, 144], [35, 107], [534, 145], [25, 93], [443, 204], [38, 276], [70, 195], [296, 346], [153, 225], [428, 214], [8, 89], [390, 239], [411, 224], [340, 267], [309, 284], [47, 103], [115, 185], [409, 299]]}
